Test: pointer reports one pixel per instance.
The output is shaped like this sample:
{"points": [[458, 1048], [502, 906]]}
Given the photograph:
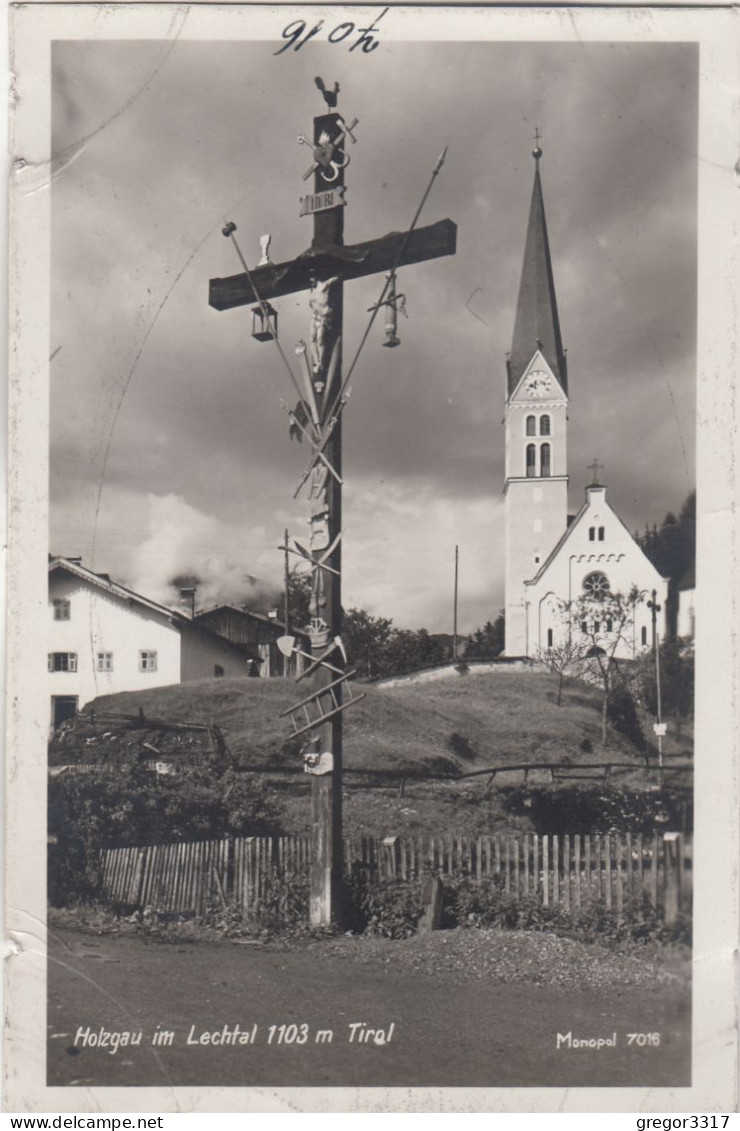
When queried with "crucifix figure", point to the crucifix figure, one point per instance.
{"points": [[322, 270], [321, 316]]}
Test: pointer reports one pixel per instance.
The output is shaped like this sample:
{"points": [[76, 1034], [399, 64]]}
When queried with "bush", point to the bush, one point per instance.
{"points": [[129, 805], [602, 809], [621, 712], [390, 911], [487, 905]]}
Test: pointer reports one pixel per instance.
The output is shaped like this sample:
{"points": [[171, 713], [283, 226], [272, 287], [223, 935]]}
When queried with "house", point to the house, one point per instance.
{"points": [[253, 630], [104, 638], [557, 563]]}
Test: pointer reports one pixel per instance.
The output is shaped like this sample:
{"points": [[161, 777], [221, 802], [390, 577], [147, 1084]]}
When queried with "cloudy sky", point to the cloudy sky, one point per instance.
{"points": [[170, 451]]}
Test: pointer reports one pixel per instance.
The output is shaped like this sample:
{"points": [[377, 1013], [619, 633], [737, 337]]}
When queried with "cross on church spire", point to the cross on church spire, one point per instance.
{"points": [[595, 467], [537, 152]]}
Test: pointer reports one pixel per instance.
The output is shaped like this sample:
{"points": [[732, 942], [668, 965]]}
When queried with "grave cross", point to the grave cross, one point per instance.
{"points": [[322, 270]]}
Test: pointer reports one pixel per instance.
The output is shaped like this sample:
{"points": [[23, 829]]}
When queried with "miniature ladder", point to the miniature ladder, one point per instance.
{"points": [[326, 710]]}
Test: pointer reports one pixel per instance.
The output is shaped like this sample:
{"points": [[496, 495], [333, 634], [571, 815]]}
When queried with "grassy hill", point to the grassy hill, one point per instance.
{"points": [[447, 727], [420, 734]]}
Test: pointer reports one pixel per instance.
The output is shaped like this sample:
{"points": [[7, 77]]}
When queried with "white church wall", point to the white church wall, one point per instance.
{"points": [[597, 542]]}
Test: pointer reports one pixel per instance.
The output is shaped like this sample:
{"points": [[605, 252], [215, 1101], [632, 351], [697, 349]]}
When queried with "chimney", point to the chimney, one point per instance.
{"points": [[187, 601]]}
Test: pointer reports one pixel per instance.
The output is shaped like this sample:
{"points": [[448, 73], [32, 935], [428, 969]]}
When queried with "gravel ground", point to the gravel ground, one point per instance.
{"points": [[534, 958]]}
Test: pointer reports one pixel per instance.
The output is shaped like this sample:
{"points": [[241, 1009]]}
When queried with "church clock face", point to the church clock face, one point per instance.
{"points": [[538, 383]]}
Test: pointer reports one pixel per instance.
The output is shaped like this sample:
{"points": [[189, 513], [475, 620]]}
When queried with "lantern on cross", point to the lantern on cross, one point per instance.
{"points": [[264, 323]]}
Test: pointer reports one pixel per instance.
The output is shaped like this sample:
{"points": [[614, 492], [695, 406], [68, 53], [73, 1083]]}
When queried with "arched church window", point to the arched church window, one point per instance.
{"points": [[592, 533], [643, 635], [601, 534], [544, 426], [609, 624], [531, 426], [530, 460], [545, 459], [596, 585], [549, 638]]}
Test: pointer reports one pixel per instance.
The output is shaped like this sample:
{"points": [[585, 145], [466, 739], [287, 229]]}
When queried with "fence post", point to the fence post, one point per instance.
{"points": [[672, 843]]}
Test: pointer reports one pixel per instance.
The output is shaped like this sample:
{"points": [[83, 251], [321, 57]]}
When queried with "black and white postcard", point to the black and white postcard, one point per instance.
{"points": [[372, 651]]}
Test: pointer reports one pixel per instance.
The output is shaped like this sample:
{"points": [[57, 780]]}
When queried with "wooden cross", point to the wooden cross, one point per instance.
{"points": [[322, 269]]}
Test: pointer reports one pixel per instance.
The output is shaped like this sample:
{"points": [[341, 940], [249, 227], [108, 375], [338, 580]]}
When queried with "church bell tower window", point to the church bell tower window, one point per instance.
{"points": [[531, 426], [544, 425], [530, 461], [545, 460]]}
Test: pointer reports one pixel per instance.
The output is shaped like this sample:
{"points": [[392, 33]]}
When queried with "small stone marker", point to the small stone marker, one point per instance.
{"points": [[431, 898]]}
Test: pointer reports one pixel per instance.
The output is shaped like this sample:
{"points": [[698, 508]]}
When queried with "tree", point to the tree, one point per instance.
{"points": [[486, 642], [601, 621], [299, 598], [564, 659], [366, 639], [672, 550]]}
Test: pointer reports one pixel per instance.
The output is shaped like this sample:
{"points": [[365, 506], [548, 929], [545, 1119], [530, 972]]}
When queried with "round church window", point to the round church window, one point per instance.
{"points": [[596, 585]]}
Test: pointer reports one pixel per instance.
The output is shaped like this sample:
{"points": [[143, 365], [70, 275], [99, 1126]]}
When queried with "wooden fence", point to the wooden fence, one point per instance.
{"points": [[568, 871]]}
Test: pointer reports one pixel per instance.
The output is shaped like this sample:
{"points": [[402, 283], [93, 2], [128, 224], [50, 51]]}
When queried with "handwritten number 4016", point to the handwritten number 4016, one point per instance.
{"points": [[297, 36]]}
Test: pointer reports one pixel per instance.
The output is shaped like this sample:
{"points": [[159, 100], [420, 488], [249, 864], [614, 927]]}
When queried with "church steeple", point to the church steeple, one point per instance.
{"points": [[536, 325]]}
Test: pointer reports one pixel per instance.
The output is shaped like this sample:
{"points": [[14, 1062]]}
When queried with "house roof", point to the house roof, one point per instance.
{"points": [[249, 615], [688, 581], [536, 325], [103, 582]]}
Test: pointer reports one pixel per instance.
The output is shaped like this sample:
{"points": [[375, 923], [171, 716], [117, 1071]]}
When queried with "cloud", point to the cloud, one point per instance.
{"points": [[155, 396], [182, 541]]}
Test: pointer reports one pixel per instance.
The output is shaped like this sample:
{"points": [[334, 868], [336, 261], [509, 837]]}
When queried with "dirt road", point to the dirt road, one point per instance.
{"points": [[211, 1013]]}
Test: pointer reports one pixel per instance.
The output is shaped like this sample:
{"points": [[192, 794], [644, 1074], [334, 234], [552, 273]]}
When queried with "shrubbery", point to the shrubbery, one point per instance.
{"points": [[132, 806], [585, 809]]}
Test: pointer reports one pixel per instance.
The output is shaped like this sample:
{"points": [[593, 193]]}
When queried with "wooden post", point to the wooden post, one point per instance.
{"points": [[324, 273], [577, 866], [672, 846], [454, 614]]}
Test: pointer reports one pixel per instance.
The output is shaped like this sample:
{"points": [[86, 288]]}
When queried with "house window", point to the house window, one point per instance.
{"points": [[545, 460], [549, 638], [544, 426], [104, 661], [530, 461], [609, 624], [531, 426], [218, 671], [643, 635], [601, 534], [597, 626], [147, 661], [61, 608], [584, 626], [592, 533], [596, 585], [62, 661]]}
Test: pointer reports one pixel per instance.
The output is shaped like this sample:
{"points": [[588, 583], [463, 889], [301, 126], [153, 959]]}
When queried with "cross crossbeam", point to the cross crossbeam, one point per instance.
{"points": [[352, 262]]}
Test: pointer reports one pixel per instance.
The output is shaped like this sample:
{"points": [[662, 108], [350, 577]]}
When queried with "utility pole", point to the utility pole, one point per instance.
{"points": [[659, 727], [286, 659], [454, 614], [322, 270]]}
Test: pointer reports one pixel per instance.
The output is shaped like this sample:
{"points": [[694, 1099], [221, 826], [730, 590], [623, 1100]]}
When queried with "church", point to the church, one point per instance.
{"points": [[561, 569]]}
